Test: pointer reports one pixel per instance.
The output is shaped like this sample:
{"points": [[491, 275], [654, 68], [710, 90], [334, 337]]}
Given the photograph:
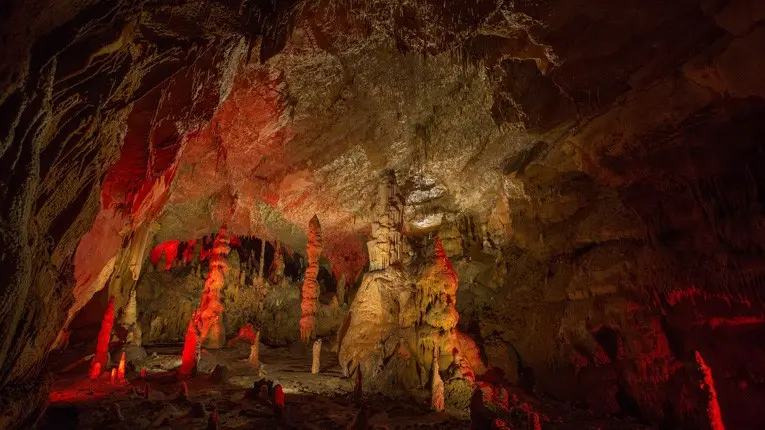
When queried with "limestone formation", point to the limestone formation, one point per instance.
{"points": [[278, 402], [310, 285], [388, 244], [100, 360], [396, 316], [437, 385], [276, 273], [213, 332], [191, 347], [316, 356], [121, 369], [617, 186], [254, 358]]}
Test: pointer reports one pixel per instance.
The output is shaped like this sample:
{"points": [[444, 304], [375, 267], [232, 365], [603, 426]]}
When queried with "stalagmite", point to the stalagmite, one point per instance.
{"points": [[310, 285], [437, 388], [278, 401], [254, 359], [213, 334], [129, 320], [102, 347], [262, 259], [121, 368], [183, 393], [316, 357], [341, 289], [388, 245], [708, 386], [113, 376], [191, 345], [143, 372], [277, 265]]}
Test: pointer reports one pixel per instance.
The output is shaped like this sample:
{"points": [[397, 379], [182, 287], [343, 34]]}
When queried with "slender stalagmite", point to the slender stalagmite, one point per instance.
{"points": [[102, 347], [121, 368], [310, 286], [262, 259], [211, 308], [437, 388], [316, 357], [254, 359]]}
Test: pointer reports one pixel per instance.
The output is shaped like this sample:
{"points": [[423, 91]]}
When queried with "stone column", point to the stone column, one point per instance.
{"points": [[310, 285]]}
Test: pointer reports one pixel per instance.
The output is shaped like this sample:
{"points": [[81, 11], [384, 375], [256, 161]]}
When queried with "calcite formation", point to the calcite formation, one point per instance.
{"points": [[397, 323], [191, 347], [310, 285], [437, 385], [388, 245], [101, 359], [213, 332], [616, 187], [316, 357]]}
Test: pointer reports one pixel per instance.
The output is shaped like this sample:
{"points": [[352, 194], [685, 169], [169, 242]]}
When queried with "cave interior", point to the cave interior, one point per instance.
{"points": [[382, 214]]}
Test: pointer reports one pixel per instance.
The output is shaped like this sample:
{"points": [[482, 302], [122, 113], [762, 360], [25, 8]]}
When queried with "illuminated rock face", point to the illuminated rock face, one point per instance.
{"points": [[399, 324], [213, 333], [310, 285]]}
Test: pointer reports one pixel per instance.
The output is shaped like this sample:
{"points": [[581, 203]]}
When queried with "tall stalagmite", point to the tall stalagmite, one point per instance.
{"points": [[98, 364], [310, 285], [211, 308], [191, 344]]}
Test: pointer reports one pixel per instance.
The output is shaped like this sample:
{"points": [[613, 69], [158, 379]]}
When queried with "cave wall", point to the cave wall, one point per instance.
{"points": [[79, 79]]}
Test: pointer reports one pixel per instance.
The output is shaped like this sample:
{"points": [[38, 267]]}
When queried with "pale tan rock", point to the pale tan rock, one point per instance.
{"points": [[316, 356]]}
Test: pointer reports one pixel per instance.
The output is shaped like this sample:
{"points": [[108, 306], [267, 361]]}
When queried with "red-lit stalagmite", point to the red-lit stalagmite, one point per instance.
{"points": [[190, 355], [121, 368], [213, 334], [310, 285], [102, 347], [708, 385]]}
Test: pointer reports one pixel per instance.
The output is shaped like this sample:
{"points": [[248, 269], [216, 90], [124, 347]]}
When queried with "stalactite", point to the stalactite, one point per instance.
{"points": [[102, 347], [316, 356], [708, 386], [310, 285], [211, 308]]}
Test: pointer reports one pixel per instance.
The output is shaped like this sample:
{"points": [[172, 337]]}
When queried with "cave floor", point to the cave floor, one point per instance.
{"points": [[320, 401]]}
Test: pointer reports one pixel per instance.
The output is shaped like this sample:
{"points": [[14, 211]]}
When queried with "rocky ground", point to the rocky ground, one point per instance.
{"points": [[322, 401]]}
